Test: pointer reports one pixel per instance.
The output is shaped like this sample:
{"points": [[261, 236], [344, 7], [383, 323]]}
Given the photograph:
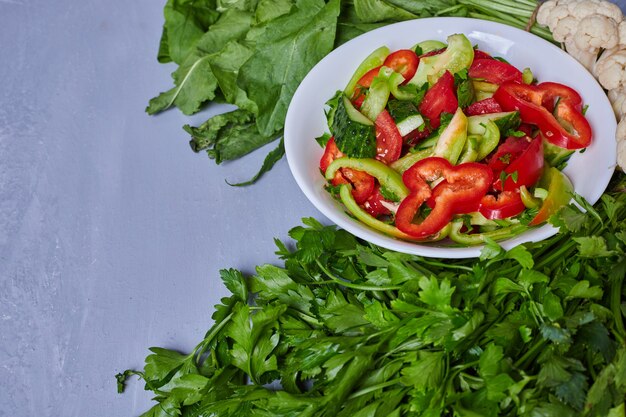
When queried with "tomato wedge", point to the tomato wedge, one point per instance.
{"points": [[403, 61], [502, 205], [521, 159], [440, 98], [374, 206], [486, 106], [388, 138], [478, 54], [494, 71], [362, 183]]}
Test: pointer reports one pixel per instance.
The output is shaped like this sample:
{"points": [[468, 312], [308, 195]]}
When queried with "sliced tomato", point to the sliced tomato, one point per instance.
{"points": [[331, 152], [440, 98], [388, 139], [494, 71], [374, 204], [521, 159], [362, 182], [366, 80], [403, 61], [478, 54], [502, 205], [486, 106]]}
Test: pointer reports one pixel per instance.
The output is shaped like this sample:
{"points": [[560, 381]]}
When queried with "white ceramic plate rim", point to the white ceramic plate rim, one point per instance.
{"points": [[590, 172]]}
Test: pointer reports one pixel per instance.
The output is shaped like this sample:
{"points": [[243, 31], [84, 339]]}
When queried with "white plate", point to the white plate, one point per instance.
{"points": [[590, 171]]}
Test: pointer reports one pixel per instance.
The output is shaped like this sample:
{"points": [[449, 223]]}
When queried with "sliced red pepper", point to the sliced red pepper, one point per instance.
{"points": [[366, 80], [526, 128], [415, 136], [462, 184], [440, 98], [521, 159], [362, 183], [486, 106], [494, 71], [388, 138], [403, 61], [374, 204], [502, 205], [478, 54], [551, 91], [528, 100]]}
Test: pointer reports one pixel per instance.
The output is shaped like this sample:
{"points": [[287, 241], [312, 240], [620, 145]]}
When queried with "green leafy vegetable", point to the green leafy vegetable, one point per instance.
{"points": [[253, 54], [351, 329]]}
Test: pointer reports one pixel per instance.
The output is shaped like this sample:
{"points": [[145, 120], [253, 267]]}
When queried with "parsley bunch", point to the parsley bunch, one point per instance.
{"points": [[347, 328]]}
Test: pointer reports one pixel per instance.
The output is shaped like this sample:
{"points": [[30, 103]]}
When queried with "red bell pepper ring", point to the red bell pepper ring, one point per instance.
{"points": [[463, 184], [486, 106], [494, 71], [403, 61], [388, 138], [441, 97], [500, 206], [521, 159], [529, 100], [362, 182], [374, 204], [551, 91]]}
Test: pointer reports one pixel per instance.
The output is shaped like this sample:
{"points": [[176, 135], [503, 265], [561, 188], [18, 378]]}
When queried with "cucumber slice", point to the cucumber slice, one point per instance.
{"points": [[406, 116], [354, 133]]}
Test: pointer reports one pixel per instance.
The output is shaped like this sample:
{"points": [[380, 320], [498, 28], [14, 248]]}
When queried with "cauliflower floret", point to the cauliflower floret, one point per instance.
{"points": [[622, 33], [620, 137], [617, 97], [544, 12], [565, 28], [596, 31], [586, 8], [610, 69], [588, 59]]}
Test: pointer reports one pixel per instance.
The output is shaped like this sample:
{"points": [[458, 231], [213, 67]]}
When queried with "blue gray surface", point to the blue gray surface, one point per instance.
{"points": [[112, 232]]}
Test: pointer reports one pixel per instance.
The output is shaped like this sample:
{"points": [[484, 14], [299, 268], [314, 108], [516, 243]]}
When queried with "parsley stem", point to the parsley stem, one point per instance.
{"points": [[349, 284], [372, 388], [444, 265], [616, 300], [530, 353]]}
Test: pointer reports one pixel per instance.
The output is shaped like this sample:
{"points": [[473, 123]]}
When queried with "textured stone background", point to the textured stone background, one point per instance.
{"points": [[112, 232]]}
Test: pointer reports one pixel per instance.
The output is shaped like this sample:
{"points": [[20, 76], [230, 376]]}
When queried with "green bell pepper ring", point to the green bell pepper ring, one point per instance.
{"points": [[560, 191], [375, 59], [387, 177], [478, 238], [458, 55]]}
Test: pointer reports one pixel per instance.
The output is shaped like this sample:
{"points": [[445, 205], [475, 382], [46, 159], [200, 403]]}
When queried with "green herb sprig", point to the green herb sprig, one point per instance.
{"points": [[346, 328]]}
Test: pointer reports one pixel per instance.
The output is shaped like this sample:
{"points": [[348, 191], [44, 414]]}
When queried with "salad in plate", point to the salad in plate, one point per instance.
{"points": [[446, 141]]}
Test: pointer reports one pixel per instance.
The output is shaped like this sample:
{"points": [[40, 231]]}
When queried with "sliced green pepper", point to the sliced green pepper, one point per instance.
{"points": [[387, 177], [527, 198], [560, 191], [429, 46], [378, 94], [345, 193], [375, 59], [409, 159], [458, 55], [477, 238], [452, 139], [489, 135], [470, 150]]}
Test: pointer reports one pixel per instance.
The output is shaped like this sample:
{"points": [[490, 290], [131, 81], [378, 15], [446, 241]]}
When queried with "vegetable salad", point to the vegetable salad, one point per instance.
{"points": [[445, 141]]}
